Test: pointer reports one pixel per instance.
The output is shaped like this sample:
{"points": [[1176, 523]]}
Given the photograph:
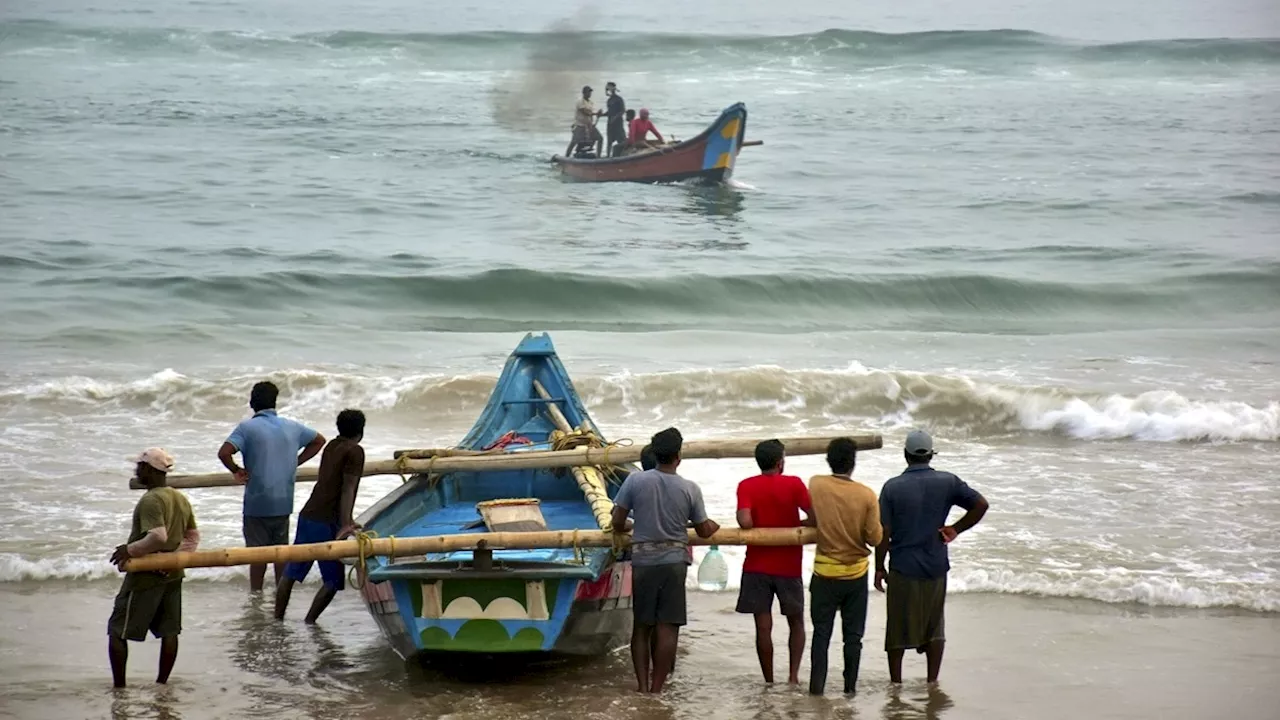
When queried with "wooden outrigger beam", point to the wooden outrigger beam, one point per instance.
{"points": [[406, 546], [410, 462]]}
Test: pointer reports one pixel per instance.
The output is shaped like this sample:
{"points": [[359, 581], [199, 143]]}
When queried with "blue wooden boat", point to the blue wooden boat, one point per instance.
{"points": [[553, 601]]}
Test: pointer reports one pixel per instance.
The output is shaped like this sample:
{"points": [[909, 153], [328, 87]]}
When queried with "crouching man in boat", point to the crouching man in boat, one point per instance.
{"points": [[584, 125], [640, 129], [328, 514], [162, 522], [663, 504]]}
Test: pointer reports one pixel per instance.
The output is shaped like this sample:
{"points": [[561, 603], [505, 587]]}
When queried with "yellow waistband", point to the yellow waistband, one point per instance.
{"points": [[829, 567]]}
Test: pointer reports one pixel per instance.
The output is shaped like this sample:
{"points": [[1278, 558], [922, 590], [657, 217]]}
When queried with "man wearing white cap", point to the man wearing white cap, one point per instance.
{"points": [[162, 522], [913, 512]]}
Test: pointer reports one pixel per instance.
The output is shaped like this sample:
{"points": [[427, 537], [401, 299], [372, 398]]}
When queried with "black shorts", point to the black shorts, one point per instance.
{"points": [[259, 531], [755, 596], [658, 595], [157, 608]]}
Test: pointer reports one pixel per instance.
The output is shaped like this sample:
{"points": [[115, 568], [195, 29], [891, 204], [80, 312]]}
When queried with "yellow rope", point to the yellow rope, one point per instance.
{"points": [[364, 547]]}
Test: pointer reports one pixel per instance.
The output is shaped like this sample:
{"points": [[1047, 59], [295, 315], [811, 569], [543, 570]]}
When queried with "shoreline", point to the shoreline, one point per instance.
{"points": [[1007, 657]]}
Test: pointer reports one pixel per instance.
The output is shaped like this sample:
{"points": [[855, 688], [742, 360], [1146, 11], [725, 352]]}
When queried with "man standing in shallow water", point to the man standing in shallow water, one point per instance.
{"points": [[162, 522], [664, 504], [269, 445], [773, 500], [913, 512], [328, 514]]}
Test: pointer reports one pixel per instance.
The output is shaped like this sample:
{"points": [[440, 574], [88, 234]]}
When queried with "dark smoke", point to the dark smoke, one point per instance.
{"points": [[562, 59]]}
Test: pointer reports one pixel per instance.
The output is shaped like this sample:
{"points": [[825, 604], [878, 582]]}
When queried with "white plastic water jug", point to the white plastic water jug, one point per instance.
{"points": [[713, 571]]}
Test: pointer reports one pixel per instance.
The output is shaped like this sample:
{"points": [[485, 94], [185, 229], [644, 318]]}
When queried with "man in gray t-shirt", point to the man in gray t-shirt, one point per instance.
{"points": [[664, 506]]}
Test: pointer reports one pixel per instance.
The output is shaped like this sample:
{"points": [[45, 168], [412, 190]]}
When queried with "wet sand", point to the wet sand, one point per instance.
{"points": [[1007, 657]]}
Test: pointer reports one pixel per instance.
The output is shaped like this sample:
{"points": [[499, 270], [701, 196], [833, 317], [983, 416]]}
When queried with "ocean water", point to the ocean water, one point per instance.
{"points": [[1049, 235]]}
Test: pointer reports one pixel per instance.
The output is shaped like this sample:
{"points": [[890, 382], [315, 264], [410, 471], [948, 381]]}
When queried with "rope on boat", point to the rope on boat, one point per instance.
{"points": [[590, 479], [364, 546]]}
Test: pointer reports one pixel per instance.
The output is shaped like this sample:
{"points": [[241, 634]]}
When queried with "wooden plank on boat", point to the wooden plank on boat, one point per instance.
{"points": [[512, 515], [539, 459], [406, 546]]}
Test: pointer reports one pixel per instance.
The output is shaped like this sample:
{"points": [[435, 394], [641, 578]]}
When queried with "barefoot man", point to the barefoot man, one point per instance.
{"points": [[268, 444], [664, 504], [327, 516], [773, 500], [162, 522], [913, 511]]}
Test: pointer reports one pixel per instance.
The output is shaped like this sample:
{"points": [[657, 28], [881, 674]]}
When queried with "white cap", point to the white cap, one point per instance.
{"points": [[157, 458]]}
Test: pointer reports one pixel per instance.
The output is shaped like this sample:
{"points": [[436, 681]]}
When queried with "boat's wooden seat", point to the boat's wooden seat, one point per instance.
{"points": [[512, 515]]}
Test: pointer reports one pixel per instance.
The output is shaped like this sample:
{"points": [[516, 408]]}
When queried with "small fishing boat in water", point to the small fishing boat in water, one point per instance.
{"points": [[709, 157], [571, 601]]}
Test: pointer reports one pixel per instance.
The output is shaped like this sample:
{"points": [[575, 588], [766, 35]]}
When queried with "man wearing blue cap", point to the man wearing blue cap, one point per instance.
{"points": [[913, 511]]}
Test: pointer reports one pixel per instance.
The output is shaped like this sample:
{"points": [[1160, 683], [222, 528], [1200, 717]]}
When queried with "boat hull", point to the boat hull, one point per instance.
{"points": [[556, 601], [710, 157], [584, 617]]}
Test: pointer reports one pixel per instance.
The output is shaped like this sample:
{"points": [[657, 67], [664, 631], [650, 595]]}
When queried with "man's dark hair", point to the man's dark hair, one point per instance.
{"points": [[263, 396], [666, 445], [631, 114], [842, 455], [769, 453], [918, 459], [648, 460], [350, 423], [148, 475]]}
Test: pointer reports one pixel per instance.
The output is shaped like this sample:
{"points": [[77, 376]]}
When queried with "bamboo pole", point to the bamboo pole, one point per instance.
{"points": [[579, 457], [402, 547], [589, 480]]}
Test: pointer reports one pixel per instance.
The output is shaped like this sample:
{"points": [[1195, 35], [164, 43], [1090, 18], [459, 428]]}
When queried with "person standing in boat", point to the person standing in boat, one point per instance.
{"points": [[584, 125], [913, 512], [269, 446], [162, 522], [848, 528], [328, 514], [640, 129], [616, 128], [663, 504], [773, 500]]}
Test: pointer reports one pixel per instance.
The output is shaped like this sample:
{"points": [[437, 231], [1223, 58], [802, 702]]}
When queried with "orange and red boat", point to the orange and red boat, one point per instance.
{"points": [[709, 157]]}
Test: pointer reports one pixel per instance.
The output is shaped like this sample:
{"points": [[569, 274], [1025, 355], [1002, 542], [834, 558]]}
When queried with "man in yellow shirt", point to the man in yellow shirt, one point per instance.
{"points": [[848, 522]]}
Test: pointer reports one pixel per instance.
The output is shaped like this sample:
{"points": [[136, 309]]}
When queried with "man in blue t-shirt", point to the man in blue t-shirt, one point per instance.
{"points": [[269, 446], [913, 511]]}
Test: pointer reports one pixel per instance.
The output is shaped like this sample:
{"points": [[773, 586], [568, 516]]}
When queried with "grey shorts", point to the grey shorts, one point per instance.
{"points": [[259, 531], [755, 596], [658, 595]]}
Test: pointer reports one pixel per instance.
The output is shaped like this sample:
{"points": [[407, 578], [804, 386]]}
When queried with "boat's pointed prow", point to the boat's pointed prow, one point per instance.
{"points": [[535, 344]]}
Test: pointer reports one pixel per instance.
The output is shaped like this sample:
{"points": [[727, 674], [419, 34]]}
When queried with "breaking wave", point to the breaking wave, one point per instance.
{"points": [[734, 399]]}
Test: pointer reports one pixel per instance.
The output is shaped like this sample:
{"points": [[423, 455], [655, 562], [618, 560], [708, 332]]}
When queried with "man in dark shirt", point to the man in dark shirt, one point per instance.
{"points": [[615, 110], [913, 512], [327, 516]]}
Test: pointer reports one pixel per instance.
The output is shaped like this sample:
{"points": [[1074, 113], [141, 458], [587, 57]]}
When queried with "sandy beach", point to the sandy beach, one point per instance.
{"points": [[1007, 657]]}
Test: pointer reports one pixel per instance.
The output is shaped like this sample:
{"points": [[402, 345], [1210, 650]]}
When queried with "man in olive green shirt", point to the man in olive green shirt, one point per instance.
{"points": [[162, 522]]}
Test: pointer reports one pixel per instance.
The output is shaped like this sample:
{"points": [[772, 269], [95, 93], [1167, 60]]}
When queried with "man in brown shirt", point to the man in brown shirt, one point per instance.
{"points": [[848, 522], [327, 516]]}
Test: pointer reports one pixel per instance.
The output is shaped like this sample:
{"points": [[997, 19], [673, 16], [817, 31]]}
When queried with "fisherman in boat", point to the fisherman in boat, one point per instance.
{"points": [[664, 504], [584, 126], [162, 522], [328, 514], [640, 128], [615, 129], [268, 445]]}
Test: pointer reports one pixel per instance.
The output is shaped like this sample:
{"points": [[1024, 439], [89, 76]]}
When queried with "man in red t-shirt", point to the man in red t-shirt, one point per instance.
{"points": [[772, 499]]}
